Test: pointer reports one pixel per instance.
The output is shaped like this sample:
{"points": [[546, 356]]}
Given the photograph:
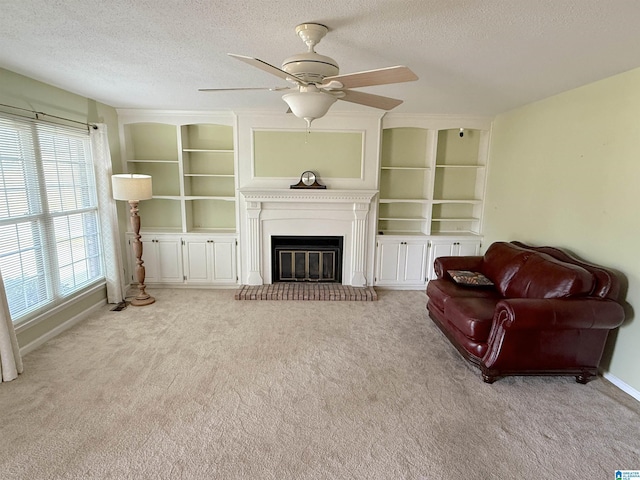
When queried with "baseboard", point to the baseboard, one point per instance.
{"points": [[621, 385], [421, 288], [29, 347]]}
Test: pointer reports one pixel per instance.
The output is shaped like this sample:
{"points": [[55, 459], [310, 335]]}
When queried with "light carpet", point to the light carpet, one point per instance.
{"points": [[200, 386]]}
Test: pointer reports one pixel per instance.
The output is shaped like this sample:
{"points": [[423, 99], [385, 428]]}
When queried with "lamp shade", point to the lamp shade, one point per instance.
{"points": [[131, 186], [309, 105]]}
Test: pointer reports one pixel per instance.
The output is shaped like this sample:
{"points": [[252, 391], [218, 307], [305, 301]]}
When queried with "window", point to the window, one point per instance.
{"points": [[49, 230]]}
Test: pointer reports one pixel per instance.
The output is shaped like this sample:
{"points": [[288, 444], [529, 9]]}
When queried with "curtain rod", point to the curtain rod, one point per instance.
{"points": [[35, 113]]}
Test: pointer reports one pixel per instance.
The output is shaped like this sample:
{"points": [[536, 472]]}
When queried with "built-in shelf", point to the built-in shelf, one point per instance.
{"points": [[133, 160], [207, 150], [402, 233], [210, 197], [431, 178], [193, 167], [404, 168], [404, 219], [208, 175]]}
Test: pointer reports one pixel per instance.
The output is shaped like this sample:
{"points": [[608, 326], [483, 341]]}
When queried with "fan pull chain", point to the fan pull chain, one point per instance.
{"points": [[308, 120]]}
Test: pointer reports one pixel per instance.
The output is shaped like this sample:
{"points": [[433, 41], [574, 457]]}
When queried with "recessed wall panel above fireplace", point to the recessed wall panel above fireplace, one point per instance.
{"points": [[284, 153]]}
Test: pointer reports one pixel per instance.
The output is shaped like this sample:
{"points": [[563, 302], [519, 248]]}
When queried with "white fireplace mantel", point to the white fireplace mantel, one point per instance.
{"points": [[314, 195], [301, 212]]}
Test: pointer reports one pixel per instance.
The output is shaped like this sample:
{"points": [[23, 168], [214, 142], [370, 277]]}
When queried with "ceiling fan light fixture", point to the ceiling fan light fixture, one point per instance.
{"points": [[309, 105], [311, 67], [319, 83]]}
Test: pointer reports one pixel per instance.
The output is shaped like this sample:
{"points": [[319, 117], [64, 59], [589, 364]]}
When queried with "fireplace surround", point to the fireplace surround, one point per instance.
{"points": [[277, 212]]}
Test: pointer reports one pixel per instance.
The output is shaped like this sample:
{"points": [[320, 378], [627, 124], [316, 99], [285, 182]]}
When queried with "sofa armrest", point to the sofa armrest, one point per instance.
{"points": [[443, 264], [558, 314], [549, 336]]}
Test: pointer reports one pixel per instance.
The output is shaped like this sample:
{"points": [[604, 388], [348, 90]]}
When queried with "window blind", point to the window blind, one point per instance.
{"points": [[49, 230]]}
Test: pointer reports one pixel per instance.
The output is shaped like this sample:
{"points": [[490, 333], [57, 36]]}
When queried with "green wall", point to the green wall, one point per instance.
{"points": [[565, 171], [24, 92], [288, 154]]}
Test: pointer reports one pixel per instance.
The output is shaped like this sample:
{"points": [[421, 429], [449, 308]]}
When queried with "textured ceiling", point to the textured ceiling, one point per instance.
{"points": [[472, 56]]}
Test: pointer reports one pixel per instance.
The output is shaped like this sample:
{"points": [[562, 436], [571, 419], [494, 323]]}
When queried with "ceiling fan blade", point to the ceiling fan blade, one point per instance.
{"points": [[267, 67], [370, 100], [271, 89], [381, 76]]}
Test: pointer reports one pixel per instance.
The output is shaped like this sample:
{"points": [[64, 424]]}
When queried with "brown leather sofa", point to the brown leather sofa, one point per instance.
{"points": [[548, 313]]}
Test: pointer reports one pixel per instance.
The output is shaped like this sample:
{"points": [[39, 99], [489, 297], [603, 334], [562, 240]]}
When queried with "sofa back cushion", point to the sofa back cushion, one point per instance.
{"points": [[501, 262], [607, 283], [542, 276]]}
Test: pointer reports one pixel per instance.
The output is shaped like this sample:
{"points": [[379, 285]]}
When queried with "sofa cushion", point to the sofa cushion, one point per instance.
{"points": [[472, 316], [542, 276], [440, 290], [501, 262]]}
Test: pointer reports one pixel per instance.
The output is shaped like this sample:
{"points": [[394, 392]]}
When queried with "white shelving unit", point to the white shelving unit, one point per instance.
{"points": [[193, 163], [432, 184], [459, 180], [432, 180], [208, 160], [405, 181]]}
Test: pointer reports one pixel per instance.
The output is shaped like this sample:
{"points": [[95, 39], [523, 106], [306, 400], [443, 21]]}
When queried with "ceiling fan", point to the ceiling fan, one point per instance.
{"points": [[315, 79]]}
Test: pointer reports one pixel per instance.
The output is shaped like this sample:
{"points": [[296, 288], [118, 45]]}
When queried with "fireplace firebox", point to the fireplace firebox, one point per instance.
{"points": [[306, 259]]}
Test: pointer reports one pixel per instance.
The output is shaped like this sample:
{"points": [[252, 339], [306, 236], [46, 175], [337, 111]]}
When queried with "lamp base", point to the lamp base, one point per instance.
{"points": [[142, 300]]}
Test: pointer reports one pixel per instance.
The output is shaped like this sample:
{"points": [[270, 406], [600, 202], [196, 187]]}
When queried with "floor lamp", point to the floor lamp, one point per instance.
{"points": [[133, 187]]}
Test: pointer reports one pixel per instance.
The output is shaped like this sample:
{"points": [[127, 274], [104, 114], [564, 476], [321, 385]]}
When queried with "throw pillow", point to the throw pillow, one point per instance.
{"points": [[469, 279]]}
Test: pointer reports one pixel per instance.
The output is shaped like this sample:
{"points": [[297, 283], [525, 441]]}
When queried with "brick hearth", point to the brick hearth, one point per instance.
{"points": [[306, 291]]}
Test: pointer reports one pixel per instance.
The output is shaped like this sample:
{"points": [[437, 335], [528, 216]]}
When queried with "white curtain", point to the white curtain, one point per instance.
{"points": [[108, 214], [10, 359]]}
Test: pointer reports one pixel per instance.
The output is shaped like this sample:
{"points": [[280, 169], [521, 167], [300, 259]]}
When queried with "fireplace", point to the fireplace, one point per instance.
{"points": [[306, 259], [278, 212]]}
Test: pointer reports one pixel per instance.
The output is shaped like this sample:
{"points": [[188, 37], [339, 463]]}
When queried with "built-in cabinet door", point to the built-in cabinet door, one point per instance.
{"points": [[169, 259], [224, 261], [451, 247], [401, 262], [467, 248], [209, 260], [415, 262], [161, 256], [389, 261], [438, 248], [196, 254]]}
